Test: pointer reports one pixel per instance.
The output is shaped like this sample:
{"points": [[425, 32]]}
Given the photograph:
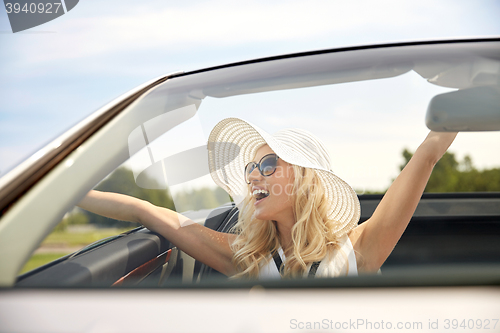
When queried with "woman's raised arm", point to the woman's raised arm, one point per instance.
{"points": [[204, 244], [375, 239]]}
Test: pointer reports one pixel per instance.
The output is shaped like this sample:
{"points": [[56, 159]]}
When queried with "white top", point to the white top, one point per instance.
{"points": [[340, 262]]}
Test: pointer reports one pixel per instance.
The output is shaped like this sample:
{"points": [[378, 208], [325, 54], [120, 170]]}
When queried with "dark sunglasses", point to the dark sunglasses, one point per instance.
{"points": [[267, 166]]}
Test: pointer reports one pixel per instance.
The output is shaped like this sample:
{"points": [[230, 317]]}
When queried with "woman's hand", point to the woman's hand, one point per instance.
{"points": [[375, 239]]}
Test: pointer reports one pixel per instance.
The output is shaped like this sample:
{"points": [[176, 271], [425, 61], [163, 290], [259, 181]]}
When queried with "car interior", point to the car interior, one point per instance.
{"points": [[144, 258]]}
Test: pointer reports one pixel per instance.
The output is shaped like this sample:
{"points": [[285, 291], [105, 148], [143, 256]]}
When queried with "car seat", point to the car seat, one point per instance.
{"points": [[221, 219]]}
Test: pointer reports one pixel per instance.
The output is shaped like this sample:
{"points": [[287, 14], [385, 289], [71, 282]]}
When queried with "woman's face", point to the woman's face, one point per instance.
{"points": [[278, 205]]}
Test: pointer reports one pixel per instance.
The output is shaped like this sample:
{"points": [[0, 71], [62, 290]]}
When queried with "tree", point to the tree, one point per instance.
{"points": [[72, 218], [450, 175]]}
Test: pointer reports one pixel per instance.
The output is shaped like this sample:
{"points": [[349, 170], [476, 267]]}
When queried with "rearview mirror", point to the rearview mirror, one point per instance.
{"points": [[472, 109]]}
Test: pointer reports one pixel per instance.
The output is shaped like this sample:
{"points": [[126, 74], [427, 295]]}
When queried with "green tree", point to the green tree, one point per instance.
{"points": [[72, 219], [450, 175]]}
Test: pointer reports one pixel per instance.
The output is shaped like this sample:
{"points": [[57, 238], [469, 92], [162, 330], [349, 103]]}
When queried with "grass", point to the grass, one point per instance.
{"points": [[40, 259], [65, 242], [65, 238]]}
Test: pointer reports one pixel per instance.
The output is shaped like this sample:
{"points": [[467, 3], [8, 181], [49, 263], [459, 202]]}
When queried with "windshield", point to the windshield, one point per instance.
{"points": [[368, 107]]}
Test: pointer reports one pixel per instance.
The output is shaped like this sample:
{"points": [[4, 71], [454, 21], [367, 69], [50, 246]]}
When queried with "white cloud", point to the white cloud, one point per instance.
{"points": [[98, 30]]}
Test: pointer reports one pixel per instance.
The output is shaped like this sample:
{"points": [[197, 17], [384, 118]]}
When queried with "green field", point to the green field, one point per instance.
{"points": [[40, 259], [66, 239]]}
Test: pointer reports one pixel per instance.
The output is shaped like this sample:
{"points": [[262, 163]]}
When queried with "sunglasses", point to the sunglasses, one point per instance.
{"points": [[266, 166]]}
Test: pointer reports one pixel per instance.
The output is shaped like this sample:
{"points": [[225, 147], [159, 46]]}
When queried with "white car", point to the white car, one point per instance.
{"points": [[366, 102]]}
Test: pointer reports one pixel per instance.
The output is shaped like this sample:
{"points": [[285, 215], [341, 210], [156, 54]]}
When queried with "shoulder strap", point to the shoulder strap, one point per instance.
{"points": [[314, 268], [281, 267], [278, 262]]}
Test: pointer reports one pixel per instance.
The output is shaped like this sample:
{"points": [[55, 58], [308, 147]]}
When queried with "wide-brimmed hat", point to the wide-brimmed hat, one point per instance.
{"points": [[234, 142]]}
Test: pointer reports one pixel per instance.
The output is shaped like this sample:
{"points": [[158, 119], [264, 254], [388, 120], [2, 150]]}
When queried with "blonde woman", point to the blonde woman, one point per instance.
{"points": [[297, 218]]}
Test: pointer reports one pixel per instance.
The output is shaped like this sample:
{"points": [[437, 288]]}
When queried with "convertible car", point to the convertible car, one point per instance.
{"points": [[368, 103]]}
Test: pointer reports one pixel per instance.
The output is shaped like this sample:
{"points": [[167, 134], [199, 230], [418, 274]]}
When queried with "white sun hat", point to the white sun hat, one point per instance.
{"points": [[234, 142]]}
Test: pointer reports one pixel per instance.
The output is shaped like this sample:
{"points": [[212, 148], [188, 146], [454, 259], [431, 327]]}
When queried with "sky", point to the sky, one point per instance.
{"points": [[56, 74]]}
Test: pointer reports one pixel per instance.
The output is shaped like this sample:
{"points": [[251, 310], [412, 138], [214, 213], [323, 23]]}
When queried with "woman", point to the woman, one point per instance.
{"points": [[293, 208]]}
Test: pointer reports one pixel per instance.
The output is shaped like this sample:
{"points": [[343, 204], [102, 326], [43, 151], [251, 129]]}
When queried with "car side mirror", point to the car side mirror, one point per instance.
{"points": [[471, 109]]}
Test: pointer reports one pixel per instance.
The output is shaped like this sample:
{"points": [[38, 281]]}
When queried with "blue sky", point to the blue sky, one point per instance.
{"points": [[58, 73]]}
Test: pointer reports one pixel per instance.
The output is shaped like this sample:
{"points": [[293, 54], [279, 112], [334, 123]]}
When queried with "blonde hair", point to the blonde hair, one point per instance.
{"points": [[312, 235]]}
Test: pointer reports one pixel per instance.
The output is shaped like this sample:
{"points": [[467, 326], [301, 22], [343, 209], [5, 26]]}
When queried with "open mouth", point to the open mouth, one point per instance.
{"points": [[260, 194]]}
